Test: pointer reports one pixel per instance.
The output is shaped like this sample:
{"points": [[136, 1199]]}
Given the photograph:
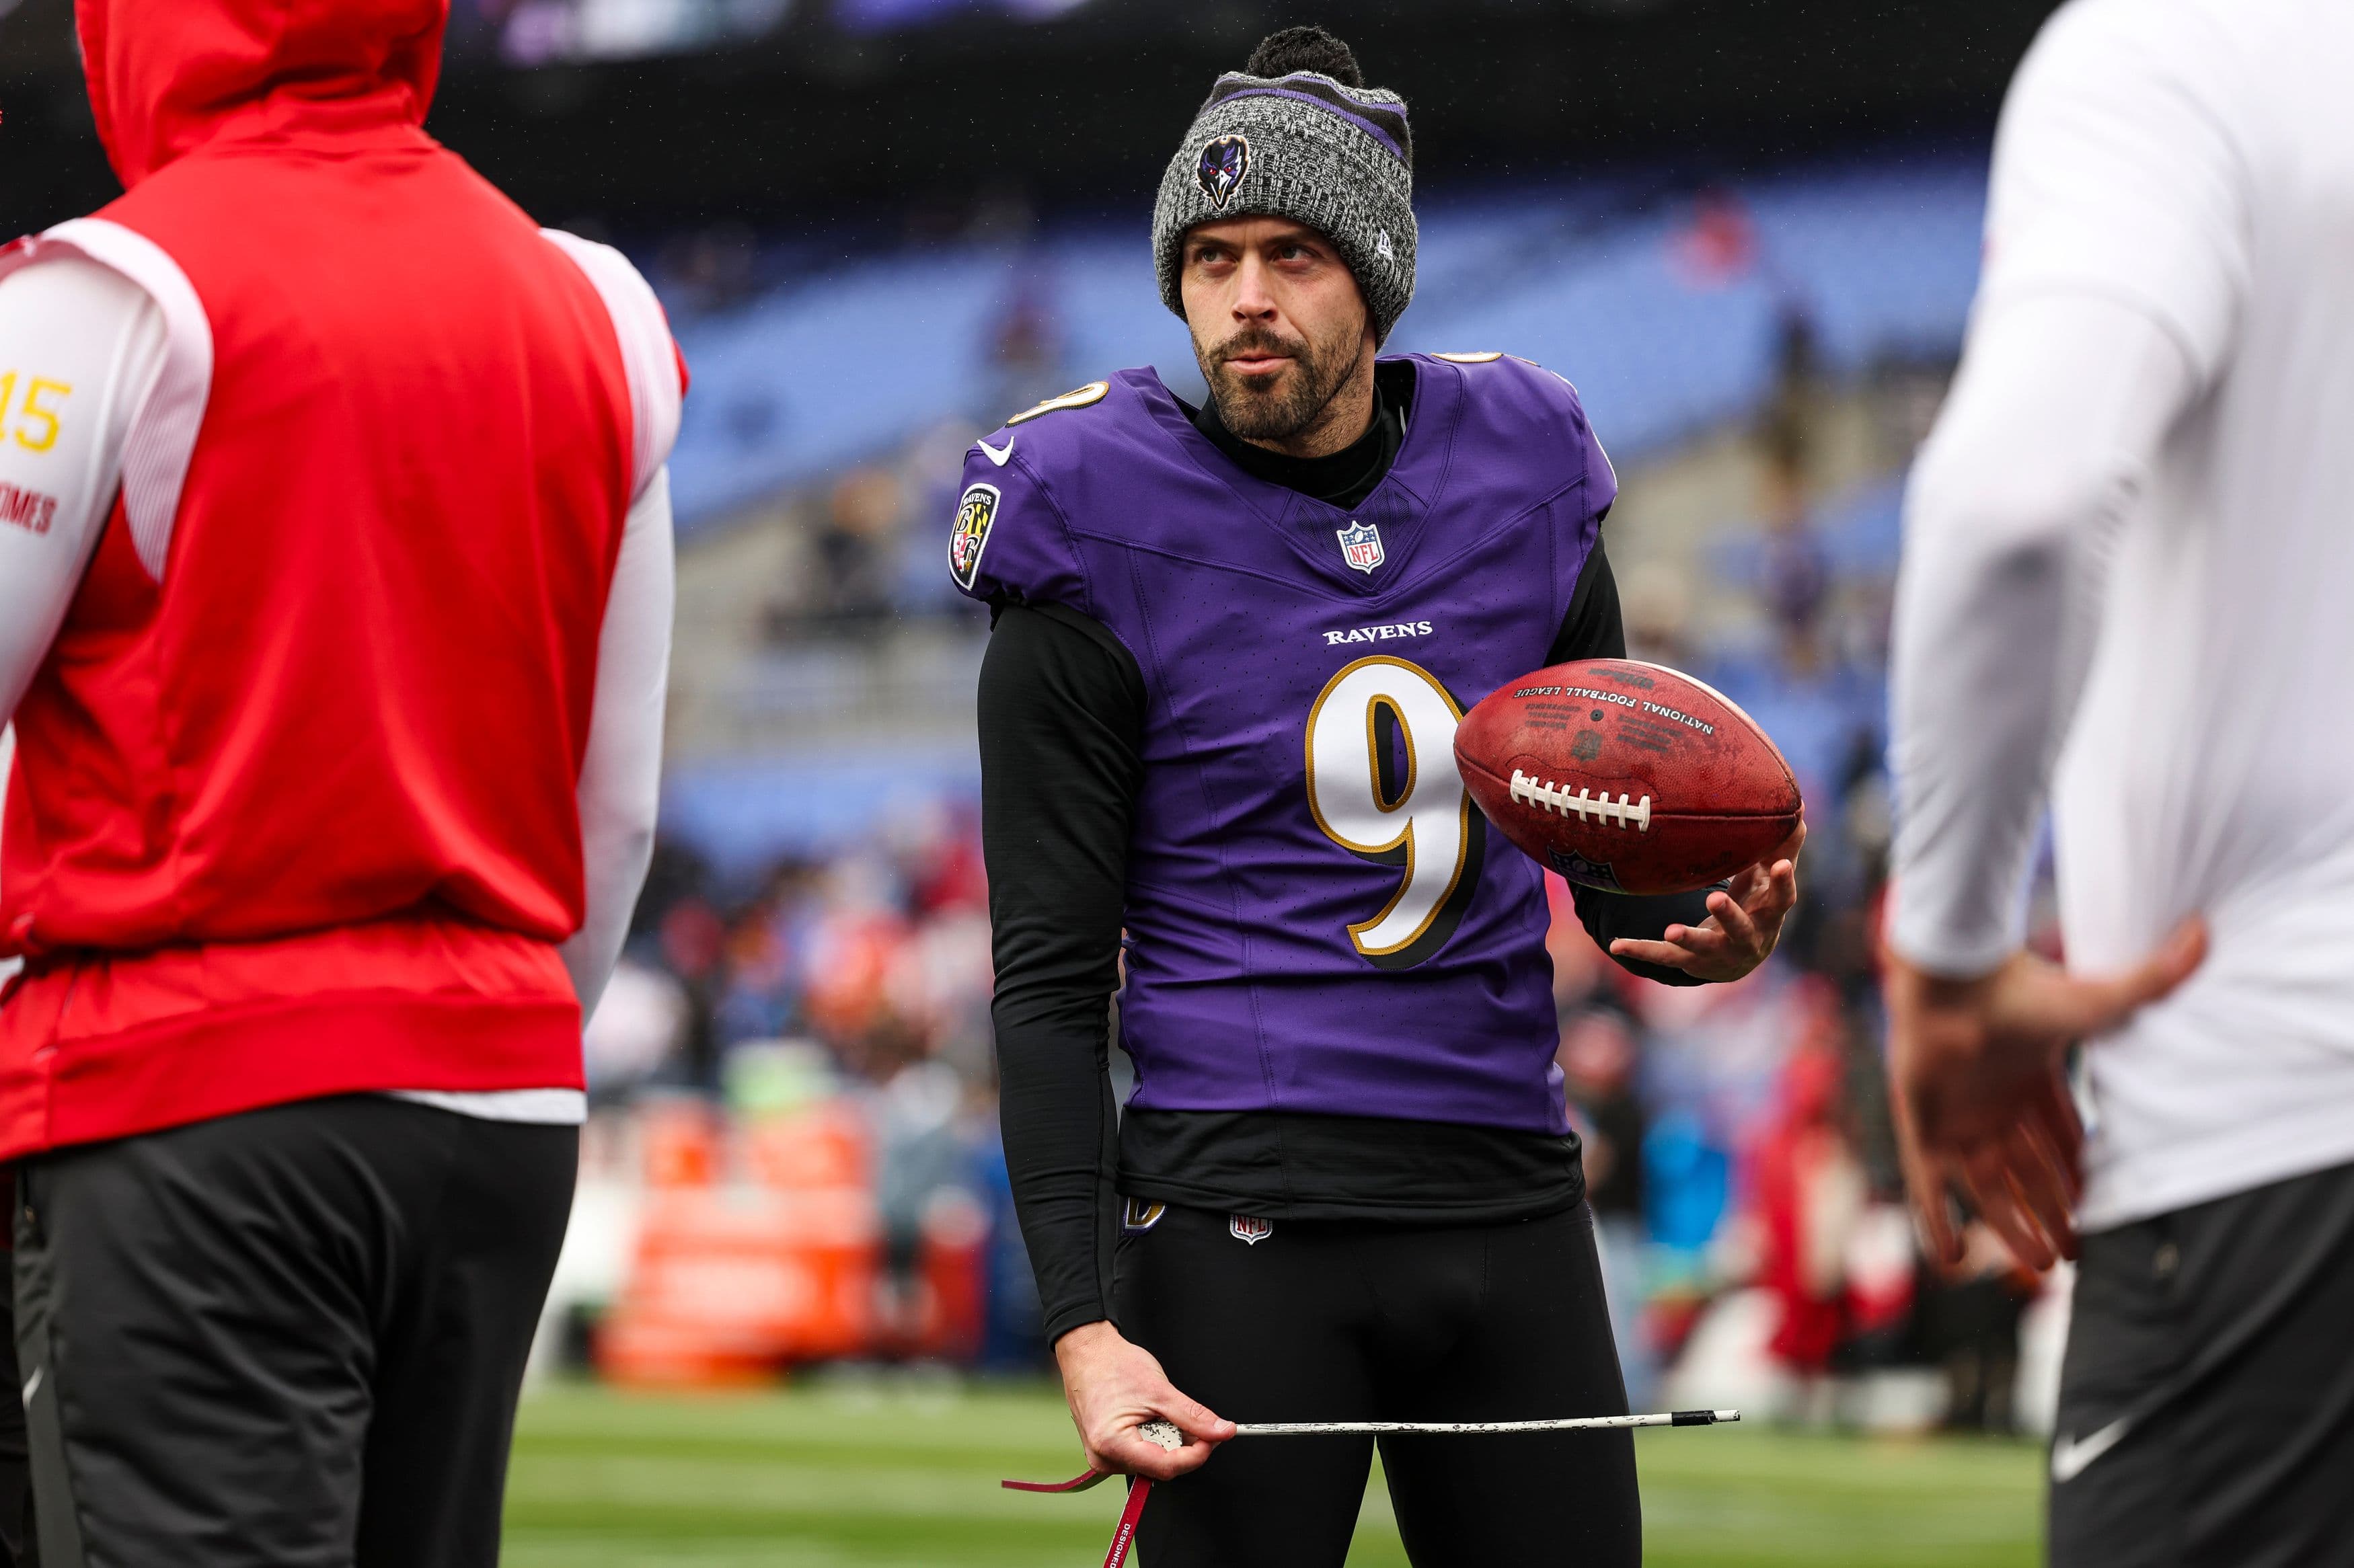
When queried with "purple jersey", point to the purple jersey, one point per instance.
{"points": [[1318, 917]]}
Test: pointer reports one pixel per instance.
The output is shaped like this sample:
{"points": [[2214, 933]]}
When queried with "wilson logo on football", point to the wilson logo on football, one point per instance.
{"points": [[1545, 797]]}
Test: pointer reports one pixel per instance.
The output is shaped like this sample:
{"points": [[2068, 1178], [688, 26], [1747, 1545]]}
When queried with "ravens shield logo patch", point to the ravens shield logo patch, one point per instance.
{"points": [[976, 510]]}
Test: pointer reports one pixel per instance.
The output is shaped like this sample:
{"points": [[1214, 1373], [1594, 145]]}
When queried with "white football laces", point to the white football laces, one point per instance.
{"points": [[1545, 795]]}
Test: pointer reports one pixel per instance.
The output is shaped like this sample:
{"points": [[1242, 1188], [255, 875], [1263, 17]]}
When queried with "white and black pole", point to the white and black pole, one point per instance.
{"points": [[1166, 1434]]}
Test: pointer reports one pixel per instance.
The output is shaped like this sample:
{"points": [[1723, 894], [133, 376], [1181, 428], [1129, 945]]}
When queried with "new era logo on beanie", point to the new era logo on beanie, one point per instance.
{"points": [[1297, 133]]}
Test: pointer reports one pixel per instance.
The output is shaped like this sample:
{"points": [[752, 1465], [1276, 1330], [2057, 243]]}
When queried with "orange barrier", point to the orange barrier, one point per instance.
{"points": [[733, 1280], [679, 1141], [953, 1268], [731, 1284], [825, 1147]]}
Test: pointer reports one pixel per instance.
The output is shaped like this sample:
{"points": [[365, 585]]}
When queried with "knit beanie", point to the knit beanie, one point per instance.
{"points": [[1297, 133]]}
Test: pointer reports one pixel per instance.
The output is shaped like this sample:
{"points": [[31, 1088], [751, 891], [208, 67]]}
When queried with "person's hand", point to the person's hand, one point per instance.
{"points": [[1742, 925], [1113, 1387], [1980, 1093]]}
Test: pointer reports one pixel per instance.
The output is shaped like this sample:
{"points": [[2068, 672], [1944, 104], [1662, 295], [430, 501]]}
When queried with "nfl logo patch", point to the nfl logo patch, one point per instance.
{"points": [[1249, 1229], [1361, 545], [1574, 867]]}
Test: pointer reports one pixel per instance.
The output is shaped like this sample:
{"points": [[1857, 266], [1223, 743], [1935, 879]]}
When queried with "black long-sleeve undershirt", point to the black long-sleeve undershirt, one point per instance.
{"points": [[1062, 715]]}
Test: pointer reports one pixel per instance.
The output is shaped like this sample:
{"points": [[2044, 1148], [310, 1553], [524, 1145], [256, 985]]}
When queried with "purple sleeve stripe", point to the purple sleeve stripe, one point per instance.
{"points": [[1364, 117]]}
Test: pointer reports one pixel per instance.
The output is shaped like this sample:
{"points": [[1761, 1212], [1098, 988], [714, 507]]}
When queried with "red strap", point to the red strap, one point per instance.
{"points": [[1122, 1538], [1125, 1536], [1078, 1483]]}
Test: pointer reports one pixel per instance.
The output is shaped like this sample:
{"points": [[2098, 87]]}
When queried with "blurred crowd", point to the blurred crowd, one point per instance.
{"points": [[869, 550]]}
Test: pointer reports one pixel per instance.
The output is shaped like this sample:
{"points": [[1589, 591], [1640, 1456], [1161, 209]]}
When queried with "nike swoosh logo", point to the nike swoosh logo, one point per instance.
{"points": [[33, 1384], [2071, 1457], [999, 458]]}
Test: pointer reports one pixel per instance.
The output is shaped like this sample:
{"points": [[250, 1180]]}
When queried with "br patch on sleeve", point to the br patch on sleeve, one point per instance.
{"points": [[976, 510]]}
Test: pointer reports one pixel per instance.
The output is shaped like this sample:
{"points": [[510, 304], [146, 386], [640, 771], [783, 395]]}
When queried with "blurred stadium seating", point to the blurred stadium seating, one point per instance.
{"points": [[1664, 308]]}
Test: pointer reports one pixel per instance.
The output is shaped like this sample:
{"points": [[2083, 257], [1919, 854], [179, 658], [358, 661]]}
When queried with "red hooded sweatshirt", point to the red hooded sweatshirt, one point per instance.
{"points": [[294, 809]]}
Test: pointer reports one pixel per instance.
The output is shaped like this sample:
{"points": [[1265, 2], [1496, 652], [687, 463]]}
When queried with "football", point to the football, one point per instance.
{"points": [[1627, 776]]}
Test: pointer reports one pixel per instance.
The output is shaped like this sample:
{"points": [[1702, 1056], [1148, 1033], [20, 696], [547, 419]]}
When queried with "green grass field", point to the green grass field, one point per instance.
{"points": [[848, 1477]]}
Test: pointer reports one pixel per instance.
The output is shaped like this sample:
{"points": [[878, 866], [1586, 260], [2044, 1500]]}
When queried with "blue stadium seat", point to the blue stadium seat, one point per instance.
{"points": [[1594, 281]]}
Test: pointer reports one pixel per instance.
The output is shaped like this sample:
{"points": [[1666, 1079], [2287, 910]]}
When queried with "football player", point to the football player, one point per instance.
{"points": [[1231, 647], [2126, 577]]}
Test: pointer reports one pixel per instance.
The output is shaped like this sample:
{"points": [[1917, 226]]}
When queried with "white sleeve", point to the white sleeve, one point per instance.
{"points": [[2121, 168], [81, 347], [620, 777], [2117, 257], [649, 357], [2054, 419]]}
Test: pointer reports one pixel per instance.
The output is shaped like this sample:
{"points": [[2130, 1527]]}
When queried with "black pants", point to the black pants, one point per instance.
{"points": [[1322, 1321], [17, 1546], [2207, 1400], [292, 1337]]}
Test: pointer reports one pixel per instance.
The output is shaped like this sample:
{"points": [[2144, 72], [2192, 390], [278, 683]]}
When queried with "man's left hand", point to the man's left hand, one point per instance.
{"points": [[1743, 922]]}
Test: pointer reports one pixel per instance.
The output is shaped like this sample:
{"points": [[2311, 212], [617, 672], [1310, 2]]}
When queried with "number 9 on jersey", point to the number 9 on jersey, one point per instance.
{"points": [[1381, 784]]}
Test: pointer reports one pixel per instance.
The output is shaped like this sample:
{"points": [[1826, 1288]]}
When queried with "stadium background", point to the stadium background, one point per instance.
{"points": [[1746, 228]]}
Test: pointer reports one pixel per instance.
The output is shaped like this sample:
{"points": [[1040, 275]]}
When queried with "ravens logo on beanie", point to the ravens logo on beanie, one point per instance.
{"points": [[1297, 133]]}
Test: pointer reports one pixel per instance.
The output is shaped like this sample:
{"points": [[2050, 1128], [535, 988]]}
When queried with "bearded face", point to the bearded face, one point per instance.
{"points": [[1279, 330]]}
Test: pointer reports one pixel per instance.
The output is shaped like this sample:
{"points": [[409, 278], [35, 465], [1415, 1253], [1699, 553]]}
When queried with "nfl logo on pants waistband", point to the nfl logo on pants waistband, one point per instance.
{"points": [[1361, 545], [1249, 1229]]}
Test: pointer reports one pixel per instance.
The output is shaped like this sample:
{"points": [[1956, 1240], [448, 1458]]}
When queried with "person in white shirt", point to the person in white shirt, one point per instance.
{"points": [[2128, 590]]}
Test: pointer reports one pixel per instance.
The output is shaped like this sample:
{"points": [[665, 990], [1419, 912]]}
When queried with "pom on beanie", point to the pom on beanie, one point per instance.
{"points": [[1304, 48]]}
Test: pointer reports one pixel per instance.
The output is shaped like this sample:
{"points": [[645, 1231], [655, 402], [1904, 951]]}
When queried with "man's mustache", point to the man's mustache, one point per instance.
{"points": [[1255, 345]]}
